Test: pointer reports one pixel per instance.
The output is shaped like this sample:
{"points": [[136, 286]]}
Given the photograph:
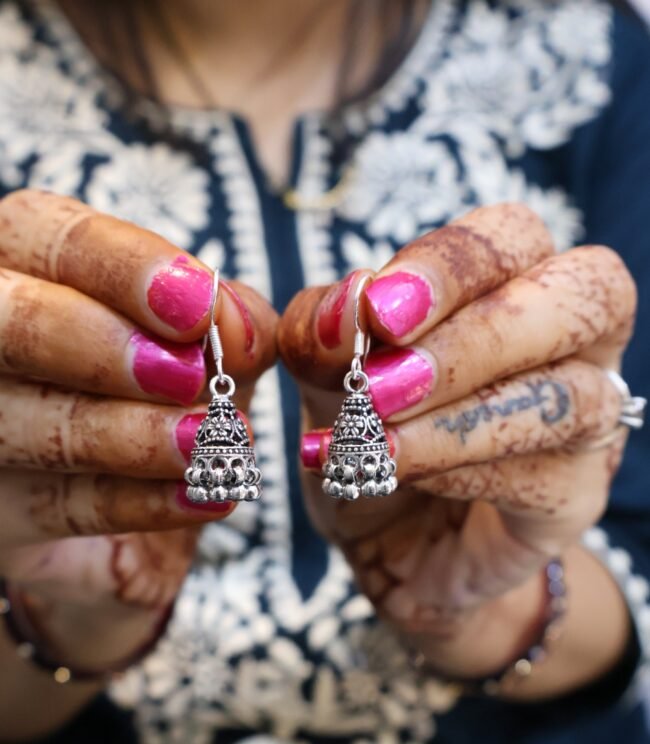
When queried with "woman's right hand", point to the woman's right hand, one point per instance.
{"points": [[100, 367]]}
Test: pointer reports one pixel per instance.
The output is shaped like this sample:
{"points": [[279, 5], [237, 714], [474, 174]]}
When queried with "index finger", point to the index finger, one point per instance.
{"points": [[446, 269], [127, 268], [424, 283]]}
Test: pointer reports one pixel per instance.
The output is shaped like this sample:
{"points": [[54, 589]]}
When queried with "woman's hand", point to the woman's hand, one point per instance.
{"points": [[100, 368], [491, 375]]}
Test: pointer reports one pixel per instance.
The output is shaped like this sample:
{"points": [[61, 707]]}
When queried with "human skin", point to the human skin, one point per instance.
{"points": [[99, 397], [303, 79], [506, 384], [282, 80], [285, 55]]}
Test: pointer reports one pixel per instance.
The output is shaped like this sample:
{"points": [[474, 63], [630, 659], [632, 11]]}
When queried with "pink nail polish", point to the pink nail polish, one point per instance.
{"points": [[401, 301], [326, 438], [311, 448], [330, 313], [399, 378], [175, 371], [211, 507], [180, 294], [186, 432], [249, 330]]}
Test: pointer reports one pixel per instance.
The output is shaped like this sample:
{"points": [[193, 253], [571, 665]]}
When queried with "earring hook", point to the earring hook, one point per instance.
{"points": [[361, 347], [215, 294], [361, 338], [213, 332]]}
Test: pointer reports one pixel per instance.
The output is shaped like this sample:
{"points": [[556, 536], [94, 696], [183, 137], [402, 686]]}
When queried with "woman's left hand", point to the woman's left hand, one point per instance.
{"points": [[491, 384]]}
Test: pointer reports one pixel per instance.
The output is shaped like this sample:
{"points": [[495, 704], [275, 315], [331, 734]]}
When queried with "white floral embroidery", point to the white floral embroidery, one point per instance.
{"points": [[516, 78], [404, 84], [15, 35], [242, 202], [505, 83], [59, 170], [578, 32], [635, 590], [212, 253], [402, 182], [231, 538], [244, 644], [10, 174], [27, 90], [359, 254], [482, 84], [154, 186], [562, 218], [314, 226], [491, 181]]}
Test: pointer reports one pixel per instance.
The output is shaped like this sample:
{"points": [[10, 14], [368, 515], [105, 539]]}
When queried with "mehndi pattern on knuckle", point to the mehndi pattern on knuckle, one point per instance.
{"points": [[36, 251], [22, 334], [51, 507], [80, 262]]}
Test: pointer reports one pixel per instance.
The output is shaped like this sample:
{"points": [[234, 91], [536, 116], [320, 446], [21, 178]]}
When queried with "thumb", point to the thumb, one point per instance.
{"points": [[316, 332], [247, 327]]}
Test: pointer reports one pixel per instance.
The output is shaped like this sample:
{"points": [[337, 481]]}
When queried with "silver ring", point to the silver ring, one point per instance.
{"points": [[632, 407], [223, 380], [632, 415], [361, 380]]}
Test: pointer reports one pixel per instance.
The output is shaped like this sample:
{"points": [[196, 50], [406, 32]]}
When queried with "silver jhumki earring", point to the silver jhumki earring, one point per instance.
{"points": [[222, 464], [359, 461]]}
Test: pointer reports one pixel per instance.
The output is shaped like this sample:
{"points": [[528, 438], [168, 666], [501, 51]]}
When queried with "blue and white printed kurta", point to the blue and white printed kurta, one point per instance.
{"points": [[537, 101]]}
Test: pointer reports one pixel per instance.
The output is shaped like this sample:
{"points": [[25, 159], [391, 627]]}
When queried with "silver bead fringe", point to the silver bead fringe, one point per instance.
{"points": [[223, 462], [359, 461]]}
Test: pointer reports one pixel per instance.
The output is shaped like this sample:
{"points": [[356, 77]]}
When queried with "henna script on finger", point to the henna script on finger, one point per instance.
{"points": [[550, 397]]}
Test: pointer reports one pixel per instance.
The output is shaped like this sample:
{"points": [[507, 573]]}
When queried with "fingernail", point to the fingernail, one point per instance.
{"points": [[186, 432], [330, 313], [211, 507], [175, 371], [249, 329], [180, 294], [401, 301], [310, 448], [399, 378]]}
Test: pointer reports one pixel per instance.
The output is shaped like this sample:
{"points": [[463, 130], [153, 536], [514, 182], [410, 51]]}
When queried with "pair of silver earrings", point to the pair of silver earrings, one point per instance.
{"points": [[223, 466]]}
